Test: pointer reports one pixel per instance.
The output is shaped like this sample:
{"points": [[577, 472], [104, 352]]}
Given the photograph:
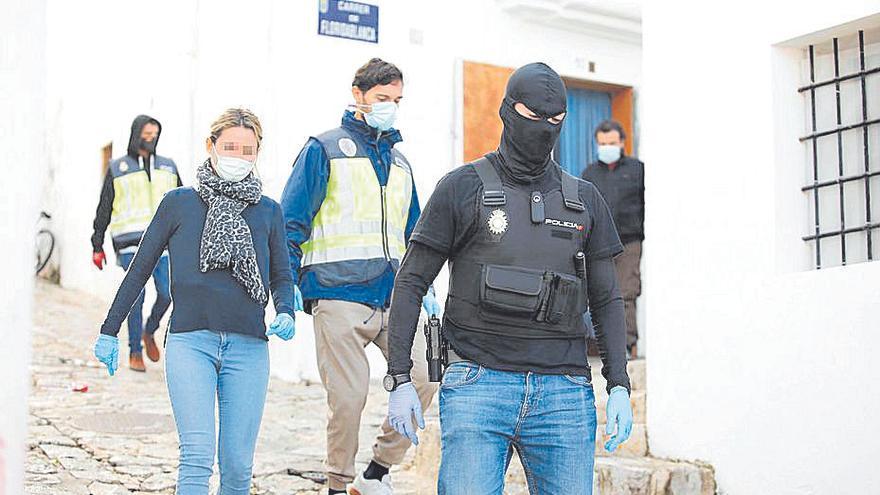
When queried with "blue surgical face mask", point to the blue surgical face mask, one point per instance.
{"points": [[608, 153], [382, 115]]}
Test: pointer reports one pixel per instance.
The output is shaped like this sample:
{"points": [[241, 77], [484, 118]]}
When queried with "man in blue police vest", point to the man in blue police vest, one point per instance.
{"points": [[133, 187], [528, 247], [350, 205]]}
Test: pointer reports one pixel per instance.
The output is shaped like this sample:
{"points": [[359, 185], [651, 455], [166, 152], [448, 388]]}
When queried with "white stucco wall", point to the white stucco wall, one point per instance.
{"points": [[206, 56], [22, 76], [758, 364]]}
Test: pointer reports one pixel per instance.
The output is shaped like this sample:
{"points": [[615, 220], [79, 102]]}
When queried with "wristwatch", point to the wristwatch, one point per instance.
{"points": [[391, 382]]}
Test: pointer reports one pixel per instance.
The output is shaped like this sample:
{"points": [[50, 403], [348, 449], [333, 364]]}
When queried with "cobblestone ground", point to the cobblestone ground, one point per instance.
{"points": [[118, 437]]}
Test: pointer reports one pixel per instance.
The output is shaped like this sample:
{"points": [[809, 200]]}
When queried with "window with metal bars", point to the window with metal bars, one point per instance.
{"points": [[842, 144]]}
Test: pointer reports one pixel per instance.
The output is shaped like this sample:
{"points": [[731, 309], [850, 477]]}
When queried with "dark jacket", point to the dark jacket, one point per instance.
{"points": [[624, 190]]}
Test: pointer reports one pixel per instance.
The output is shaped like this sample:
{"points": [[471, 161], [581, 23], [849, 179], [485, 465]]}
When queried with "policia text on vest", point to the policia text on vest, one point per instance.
{"points": [[529, 296]]}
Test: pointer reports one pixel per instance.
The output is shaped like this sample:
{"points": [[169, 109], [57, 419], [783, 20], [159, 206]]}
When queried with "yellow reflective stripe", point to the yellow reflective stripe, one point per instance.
{"points": [[334, 198], [343, 254], [342, 248], [162, 182], [398, 197], [136, 198], [352, 240], [345, 174], [132, 209], [348, 226], [398, 202], [367, 192], [349, 247], [138, 224]]}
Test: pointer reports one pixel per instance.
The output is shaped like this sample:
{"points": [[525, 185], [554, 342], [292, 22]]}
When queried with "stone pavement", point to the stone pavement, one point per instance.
{"points": [[118, 437]]}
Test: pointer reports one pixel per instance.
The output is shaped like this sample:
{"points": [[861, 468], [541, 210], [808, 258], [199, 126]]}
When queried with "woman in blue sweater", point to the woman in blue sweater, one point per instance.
{"points": [[228, 251]]}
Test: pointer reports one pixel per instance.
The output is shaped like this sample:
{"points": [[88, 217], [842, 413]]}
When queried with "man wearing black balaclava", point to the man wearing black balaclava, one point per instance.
{"points": [[528, 245], [133, 187]]}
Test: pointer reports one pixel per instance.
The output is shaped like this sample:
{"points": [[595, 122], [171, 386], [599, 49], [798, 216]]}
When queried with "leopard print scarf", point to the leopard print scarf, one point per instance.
{"points": [[226, 240]]}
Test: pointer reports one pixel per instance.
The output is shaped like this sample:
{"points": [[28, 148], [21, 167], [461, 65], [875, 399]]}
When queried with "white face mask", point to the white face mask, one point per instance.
{"points": [[231, 168]]}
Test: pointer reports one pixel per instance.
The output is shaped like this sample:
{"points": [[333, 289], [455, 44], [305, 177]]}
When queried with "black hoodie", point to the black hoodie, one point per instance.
{"points": [[134, 139], [105, 204]]}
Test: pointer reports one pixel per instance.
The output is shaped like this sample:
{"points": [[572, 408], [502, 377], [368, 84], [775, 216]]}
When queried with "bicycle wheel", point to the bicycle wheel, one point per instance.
{"points": [[45, 244]]}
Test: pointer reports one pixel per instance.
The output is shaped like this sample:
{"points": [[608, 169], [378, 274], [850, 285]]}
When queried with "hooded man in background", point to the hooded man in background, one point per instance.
{"points": [[133, 187]]}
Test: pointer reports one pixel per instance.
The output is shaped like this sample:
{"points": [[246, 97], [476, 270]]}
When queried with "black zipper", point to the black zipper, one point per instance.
{"points": [[385, 250]]}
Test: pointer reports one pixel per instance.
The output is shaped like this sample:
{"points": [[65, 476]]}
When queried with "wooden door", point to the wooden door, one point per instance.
{"points": [[484, 87]]}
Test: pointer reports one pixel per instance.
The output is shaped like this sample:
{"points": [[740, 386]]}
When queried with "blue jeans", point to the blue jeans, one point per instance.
{"points": [[202, 368], [485, 414], [163, 300]]}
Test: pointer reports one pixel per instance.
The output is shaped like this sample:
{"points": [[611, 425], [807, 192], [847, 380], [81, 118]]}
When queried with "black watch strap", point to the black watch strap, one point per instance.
{"points": [[391, 382]]}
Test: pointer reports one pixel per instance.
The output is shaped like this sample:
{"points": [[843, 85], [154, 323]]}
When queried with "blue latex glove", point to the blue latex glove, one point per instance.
{"points": [[107, 351], [430, 304], [402, 405], [283, 326], [297, 299], [618, 411]]}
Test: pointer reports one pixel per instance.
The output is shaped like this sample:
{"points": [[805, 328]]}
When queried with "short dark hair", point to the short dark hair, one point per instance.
{"points": [[608, 126], [376, 72]]}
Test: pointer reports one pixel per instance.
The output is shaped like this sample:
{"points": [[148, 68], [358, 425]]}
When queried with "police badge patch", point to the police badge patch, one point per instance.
{"points": [[497, 222], [347, 146]]}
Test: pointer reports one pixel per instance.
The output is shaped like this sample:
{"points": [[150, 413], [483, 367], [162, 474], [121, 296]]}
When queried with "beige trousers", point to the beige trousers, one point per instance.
{"points": [[343, 330]]}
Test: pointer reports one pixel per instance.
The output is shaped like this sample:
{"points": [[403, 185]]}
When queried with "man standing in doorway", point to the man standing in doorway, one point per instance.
{"points": [[621, 180], [133, 187], [350, 205]]}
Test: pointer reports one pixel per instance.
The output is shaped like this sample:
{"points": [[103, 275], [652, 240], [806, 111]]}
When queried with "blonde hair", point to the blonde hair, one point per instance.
{"points": [[237, 117]]}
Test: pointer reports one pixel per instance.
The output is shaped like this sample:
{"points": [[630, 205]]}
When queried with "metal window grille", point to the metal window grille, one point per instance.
{"points": [[844, 169]]}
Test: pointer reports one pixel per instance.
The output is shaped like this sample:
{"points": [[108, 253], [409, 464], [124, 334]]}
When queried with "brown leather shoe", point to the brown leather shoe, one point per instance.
{"points": [[151, 347], [136, 363]]}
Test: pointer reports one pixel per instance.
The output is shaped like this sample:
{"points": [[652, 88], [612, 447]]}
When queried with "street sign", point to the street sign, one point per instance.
{"points": [[349, 20]]}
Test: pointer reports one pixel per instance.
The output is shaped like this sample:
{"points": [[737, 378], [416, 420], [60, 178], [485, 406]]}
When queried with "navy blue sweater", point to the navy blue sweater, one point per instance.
{"points": [[212, 300]]}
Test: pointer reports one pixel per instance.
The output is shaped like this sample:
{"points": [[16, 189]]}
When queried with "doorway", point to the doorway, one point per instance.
{"points": [[589, 102]]}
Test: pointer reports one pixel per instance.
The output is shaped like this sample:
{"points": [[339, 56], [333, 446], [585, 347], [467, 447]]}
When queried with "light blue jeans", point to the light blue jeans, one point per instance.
{"points": [[163, 301], [485, 414], [204, 368]]}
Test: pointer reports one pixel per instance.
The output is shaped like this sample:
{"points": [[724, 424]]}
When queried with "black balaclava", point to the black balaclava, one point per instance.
{"points": [[135, 143], [526, 144]]}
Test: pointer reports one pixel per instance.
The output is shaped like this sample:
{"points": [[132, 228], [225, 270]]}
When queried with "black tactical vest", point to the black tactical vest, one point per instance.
{"points": [[522, 274]]}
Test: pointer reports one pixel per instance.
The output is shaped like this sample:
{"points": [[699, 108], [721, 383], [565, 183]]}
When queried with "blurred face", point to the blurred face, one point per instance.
{"points": [[392, 91], [150, 132], [526, 112], [237, 142], [610, 138]]}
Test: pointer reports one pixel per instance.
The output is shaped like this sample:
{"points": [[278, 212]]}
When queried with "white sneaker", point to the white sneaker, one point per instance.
{"points": [[363, 486]]}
